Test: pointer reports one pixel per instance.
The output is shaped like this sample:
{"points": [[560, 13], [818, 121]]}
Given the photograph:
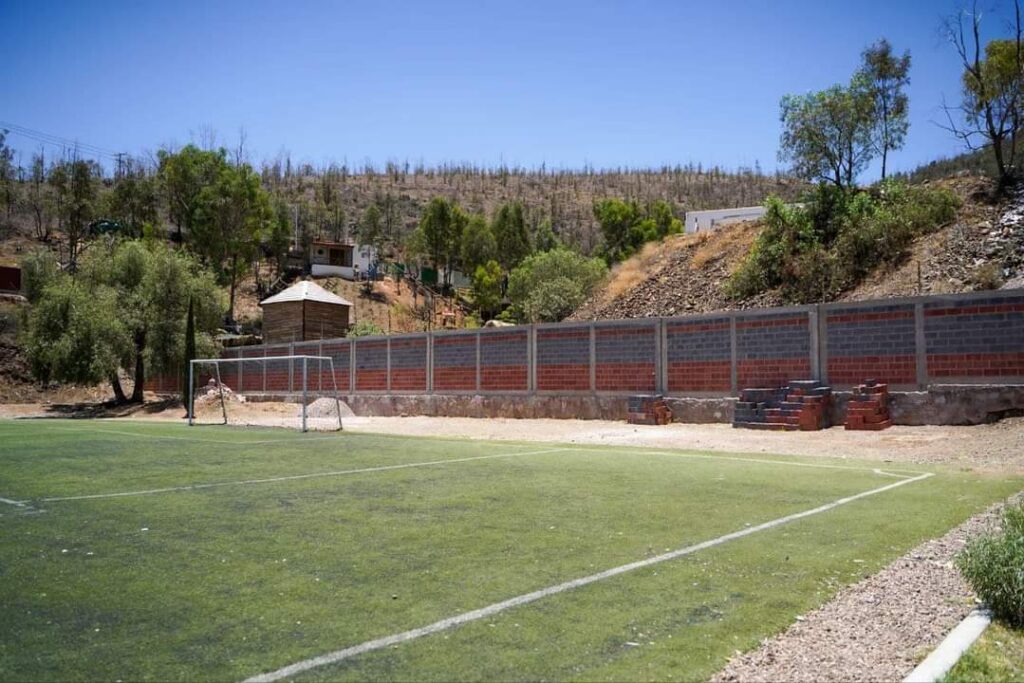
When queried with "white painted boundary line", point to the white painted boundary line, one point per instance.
{"points": [[295, 477], [903, 474], [634, 450], [953, 646], [158, 437], [23, 507], [490, 610]]}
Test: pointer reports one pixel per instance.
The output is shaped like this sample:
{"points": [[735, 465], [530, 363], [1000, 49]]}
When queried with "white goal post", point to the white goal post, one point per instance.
{"points": [[278, 379]]}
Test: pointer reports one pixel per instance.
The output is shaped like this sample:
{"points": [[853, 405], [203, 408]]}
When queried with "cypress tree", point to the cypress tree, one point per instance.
{"points": [[190, 354]]}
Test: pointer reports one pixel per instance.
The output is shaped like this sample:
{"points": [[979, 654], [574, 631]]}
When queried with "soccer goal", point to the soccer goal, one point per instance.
{"points": [[276, 391]]}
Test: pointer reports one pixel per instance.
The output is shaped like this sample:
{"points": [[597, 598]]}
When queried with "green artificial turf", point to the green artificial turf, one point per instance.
{"points": [[229, 581]]}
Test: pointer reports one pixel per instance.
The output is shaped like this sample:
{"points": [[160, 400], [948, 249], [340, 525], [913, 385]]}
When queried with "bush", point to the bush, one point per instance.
{"points": [[365, 328], [550, 285], [994, 566], [988, 276], [815, 251]]}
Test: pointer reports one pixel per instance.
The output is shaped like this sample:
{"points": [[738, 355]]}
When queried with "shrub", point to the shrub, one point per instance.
{"points": [[836, 238], [988, 276], [550, 285], [994, 566], [365, 328]]}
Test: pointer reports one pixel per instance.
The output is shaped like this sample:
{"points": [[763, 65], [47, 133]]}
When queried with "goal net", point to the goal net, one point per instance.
{"points": [[299, 392]]}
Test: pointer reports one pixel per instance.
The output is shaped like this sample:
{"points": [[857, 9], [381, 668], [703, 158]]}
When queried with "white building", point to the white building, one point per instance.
{"points": [[341, 259], [699, 221]]}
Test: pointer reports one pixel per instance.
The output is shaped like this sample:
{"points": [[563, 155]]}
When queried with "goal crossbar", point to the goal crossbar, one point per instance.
{"points": [[305, 360]]}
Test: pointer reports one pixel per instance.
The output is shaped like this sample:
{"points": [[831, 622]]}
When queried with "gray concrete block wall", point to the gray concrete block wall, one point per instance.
{"points": [[907, 342]]}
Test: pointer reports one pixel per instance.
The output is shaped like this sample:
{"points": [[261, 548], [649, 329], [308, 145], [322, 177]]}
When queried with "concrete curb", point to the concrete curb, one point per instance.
{"points": [[948, 653]]}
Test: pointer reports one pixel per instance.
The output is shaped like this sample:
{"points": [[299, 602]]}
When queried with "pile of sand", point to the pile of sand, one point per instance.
{"points": [[326, 407]]}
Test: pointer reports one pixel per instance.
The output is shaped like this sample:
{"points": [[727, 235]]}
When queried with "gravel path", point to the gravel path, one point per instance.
{"points": [[875, 630], [997, 447]]}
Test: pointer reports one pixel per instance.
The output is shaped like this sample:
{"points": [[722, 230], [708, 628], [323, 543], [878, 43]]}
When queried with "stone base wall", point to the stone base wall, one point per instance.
{"points": [[940, 405]]}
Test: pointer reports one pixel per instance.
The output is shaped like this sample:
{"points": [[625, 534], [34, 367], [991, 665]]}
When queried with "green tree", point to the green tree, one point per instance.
{"points": [[487, 288], [8, 186], [511, 235], [279, 237], [478, 244], [74, 335], [232, 215], [134, 200], [548, 286], [827, 135], [38, 269], [126, 310], [991, 111], [887, 75], [190, 355], [665, 221], [617, 219], [440, 231], [545, 238], [37, 197], [76, 185], [182, 176], [372, 233]]}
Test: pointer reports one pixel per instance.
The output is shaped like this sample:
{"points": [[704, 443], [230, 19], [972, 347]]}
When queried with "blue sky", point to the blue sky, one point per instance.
{"points": [[561, 83]]}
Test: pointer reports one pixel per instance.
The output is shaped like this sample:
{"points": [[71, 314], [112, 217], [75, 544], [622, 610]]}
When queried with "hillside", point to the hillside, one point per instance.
{"points": [[392, 311], [565, 198], [687, 274]]}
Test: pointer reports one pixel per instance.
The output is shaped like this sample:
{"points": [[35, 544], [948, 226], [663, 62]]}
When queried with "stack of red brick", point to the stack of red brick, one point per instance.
{"points": [[648, 410], [800, 405], [869, 407]]}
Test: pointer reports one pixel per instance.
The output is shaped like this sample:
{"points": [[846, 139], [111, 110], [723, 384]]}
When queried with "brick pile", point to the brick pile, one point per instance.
{"points": [[800, 405], [869, 407], [648, 410]]}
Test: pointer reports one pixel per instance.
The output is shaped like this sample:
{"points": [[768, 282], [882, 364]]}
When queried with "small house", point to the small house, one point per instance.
{"points": [[342, 259], [303, 312]]}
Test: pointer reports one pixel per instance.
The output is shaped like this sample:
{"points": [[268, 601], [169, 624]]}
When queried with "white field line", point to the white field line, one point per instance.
{"points": [[191, 438], [490, 610], [23, 507], [295, 477], [569, 449], [763, 461], [902, 474]]}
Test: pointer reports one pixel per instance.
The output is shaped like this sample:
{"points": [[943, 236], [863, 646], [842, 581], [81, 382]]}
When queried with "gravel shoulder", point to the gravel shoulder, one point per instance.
{"points": [[997, 447], [878, 629]]}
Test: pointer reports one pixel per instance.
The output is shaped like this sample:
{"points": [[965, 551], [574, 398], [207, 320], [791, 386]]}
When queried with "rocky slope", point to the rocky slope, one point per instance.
{"points": [[982, 249], [684, 274]]}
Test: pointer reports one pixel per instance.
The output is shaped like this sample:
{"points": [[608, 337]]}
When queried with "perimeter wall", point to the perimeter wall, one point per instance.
{"points": [[911, 344]]}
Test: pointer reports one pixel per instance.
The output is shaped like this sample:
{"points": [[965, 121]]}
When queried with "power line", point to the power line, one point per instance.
{"points": [[59, 141]]}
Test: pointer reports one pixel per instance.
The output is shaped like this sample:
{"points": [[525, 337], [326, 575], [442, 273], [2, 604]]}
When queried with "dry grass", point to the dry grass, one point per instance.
{"points": [[728, 241], [652, 258]]}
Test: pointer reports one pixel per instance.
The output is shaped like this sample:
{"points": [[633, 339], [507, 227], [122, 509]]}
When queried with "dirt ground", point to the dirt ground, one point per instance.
{"points": [[991, 447]]}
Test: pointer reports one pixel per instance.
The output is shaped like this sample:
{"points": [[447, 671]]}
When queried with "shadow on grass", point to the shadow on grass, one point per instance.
{"points": [[89, 410]]}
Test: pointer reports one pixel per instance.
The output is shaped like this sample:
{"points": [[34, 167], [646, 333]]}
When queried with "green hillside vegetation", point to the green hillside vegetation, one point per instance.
{"points": [[815, 251]]}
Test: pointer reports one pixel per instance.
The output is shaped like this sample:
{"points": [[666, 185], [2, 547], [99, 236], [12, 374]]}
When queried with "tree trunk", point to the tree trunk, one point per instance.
{"points": [[140, 369], [115, 383], [231, 297], [885, 153]]}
